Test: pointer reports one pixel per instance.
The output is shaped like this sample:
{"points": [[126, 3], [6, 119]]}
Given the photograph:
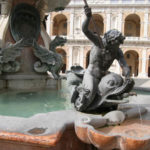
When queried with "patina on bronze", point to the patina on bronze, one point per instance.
{"points": [[97, 83]]}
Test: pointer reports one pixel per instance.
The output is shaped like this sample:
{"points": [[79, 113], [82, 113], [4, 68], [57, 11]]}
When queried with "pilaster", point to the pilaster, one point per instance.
{"points": [[120, 16], [82, 56], [71, 24], [143, 74], [108, 27], [146, 16]]}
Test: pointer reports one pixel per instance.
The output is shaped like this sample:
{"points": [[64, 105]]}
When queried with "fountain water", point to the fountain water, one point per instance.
{"points": [[140, 115]]}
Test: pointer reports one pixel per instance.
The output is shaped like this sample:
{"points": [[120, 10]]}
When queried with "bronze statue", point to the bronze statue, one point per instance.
{"points": [[88, 96]]}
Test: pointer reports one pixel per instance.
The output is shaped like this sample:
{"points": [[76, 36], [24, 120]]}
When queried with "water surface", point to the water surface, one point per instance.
{"points": [[28, 103]]}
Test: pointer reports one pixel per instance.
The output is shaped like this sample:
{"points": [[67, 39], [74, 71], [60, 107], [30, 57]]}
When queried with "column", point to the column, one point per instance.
{"points": [[68, 27], [120, 16], [82, 20], [108, 16], [107, 2], [120, 1], [71, 24], [143, 73], [70, 57], [146, 16], [48, 24], [82, 56]]}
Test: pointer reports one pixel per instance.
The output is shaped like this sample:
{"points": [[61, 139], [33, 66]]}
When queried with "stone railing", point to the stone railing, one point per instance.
{"points": [[81, 2], [83, 37]]}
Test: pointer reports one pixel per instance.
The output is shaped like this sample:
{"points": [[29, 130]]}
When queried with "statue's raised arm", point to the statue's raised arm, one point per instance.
{"points": [[95, 38]]}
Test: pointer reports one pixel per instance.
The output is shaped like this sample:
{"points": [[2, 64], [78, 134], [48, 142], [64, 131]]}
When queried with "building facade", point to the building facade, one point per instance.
{"points": [[131, 17]]}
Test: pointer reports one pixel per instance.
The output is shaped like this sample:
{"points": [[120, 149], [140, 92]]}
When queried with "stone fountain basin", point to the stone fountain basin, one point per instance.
{"points": [[47, 131], [42, 129], [132, 134]]}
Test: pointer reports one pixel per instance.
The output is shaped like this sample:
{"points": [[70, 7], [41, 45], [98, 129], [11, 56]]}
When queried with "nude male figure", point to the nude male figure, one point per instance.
{"points": [[100, 61]]}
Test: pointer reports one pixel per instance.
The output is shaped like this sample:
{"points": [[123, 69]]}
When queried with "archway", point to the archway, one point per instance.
{"points": [[132, 59], [132, 25], [60, 25], [87, 58], [149, 66], [63, 54], [99, 24]]}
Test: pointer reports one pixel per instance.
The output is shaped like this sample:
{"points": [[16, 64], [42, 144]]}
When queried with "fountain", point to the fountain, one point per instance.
{"points": [[106, 119], [27, 55]]}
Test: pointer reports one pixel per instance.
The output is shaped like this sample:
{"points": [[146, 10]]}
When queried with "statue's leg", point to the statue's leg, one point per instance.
{"points": [[87, 92], [90, 83]]}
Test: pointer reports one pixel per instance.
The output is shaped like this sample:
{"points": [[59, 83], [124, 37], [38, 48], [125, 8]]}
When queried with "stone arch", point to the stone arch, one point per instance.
{"points": [[132, 25], [60, 25], [132, 59], [87, 58], [63, 53], [99, 21]]}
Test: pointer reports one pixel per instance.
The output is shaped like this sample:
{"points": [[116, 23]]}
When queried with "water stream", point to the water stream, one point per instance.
{"points": [[140, 115], [142, 99]]}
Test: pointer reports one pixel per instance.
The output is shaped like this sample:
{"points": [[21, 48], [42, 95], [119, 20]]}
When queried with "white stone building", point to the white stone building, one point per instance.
{"points": [[131, 17]]}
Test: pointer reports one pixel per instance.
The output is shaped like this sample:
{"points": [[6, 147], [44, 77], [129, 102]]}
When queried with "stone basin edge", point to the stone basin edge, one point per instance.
{"points": [[50, 139], [87, 133]]}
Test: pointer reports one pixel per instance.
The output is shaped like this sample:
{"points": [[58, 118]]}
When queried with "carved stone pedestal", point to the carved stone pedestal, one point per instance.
{"points": [[27, 82]]}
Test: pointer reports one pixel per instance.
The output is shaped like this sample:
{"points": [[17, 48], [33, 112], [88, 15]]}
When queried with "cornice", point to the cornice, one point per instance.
{"points": [[85, 42], [111, 6]]}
